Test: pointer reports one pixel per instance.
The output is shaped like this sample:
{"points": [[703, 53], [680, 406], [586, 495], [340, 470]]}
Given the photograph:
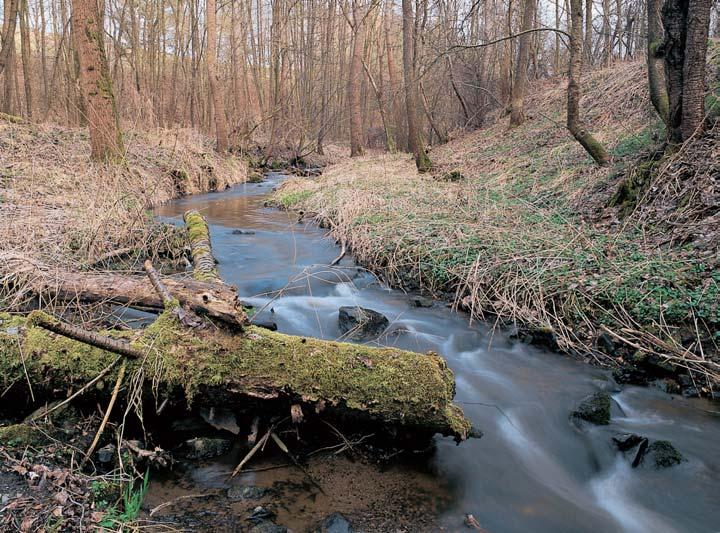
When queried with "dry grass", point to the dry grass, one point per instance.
{"points": [[60, 209], [509, 241]]}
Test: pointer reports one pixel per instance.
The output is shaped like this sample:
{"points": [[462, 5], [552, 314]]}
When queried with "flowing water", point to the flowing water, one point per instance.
{"points": [[533, 470]]}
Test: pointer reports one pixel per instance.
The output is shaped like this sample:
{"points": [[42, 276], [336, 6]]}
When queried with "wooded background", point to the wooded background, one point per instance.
{"points": [[297, 74]]}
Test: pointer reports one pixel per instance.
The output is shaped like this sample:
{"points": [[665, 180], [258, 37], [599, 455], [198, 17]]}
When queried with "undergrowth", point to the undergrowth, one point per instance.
{"points": [[512, 242]]}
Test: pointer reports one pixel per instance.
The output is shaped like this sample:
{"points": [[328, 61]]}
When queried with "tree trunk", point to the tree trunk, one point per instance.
{"points": [[102, 117], [354, 86], [26, 57], [656, 76], [221, 128], [213, 367], [517, 111], [574, 124], [8, 36], [415, 142], [693, 98]]}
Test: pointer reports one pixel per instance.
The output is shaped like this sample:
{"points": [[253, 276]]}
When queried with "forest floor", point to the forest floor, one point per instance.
{"points": [[617, 265]]}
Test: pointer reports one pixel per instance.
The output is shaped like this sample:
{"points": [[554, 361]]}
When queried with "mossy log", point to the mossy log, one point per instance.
{"points": [[204, 268], [212, 366]]}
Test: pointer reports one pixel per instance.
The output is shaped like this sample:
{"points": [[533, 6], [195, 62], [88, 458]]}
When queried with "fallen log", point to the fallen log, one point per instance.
{"points": [[214, 367], [204, 268], [217, 300]]}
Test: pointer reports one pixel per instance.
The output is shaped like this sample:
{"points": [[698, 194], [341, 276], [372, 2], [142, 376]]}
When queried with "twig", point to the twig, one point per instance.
{"points": [[343, 250], [285, 449], [249, 455], [156, 283], [116, 390], [179, 498], [88, 337]]}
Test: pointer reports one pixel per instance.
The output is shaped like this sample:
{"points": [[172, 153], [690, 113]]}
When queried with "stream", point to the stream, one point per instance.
{"points": [[533, 470]]}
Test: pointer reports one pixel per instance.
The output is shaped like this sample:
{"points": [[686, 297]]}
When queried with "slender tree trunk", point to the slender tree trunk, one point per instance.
{"points": [[656, 76], [422, 161], [26, 58], [221, 129], [517, 104], [588, 31], [574, 124], [354, 86], [105, 136]]}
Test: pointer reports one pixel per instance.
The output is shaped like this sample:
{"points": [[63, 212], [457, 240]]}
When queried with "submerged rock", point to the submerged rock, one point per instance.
{"points": [[594, 409], [204, 448], [242, 232], [267, 526], [421, 301], [247, 493], [361, 323], [335, 523], [663, 454]]}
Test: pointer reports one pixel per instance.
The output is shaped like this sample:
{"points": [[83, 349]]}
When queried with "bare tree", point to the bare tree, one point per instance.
{"points": [[354, 84], [221, 128], [574, 124], [105, 136], [415, 142], [517, 111]]}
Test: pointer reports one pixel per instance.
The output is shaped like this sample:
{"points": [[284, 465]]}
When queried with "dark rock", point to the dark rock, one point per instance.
{"points": [[605, 343], [267, 324], [421, 301], [204, 448], [640, 454], [594, 408], [627, 441], [360, 323], [474, 433], [107, 453], [242, 232], [630, 375], [663, 454], [247, 493], [334, 523], [267, 526], [667, 385], [260, 514]]}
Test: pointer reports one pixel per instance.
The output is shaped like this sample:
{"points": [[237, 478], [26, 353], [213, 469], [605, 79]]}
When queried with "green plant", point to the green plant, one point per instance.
{"points": [[132, 501]]}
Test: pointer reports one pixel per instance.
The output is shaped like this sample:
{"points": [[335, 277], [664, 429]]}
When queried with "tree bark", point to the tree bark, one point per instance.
{"points": [[26, 57], [578, 130], [8, 36], [517, 104], [221, 128], [99, 100], [656, 75], [415, 142]]}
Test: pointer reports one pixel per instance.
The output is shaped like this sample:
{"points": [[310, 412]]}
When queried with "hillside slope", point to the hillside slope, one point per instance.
{"points": [[527, 235]]}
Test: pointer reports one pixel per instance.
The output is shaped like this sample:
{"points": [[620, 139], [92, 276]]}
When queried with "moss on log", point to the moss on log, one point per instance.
{"points": [[387, 385], [199, 236]]}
